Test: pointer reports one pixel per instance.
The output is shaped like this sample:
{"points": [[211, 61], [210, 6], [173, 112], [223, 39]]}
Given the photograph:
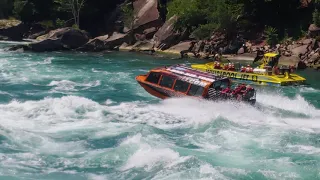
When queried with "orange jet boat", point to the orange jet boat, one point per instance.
{"points": [[180, 80]]}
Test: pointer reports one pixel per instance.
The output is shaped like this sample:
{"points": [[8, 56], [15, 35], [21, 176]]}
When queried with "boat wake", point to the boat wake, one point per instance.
{"points": [[138, 135]]}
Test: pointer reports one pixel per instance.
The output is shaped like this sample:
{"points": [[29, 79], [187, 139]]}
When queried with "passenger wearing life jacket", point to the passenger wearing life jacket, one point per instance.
{"points": [[231, 67], [249, 69], [217, 66], [291, 68], [276, 70], [226, 67], [243, 69]]}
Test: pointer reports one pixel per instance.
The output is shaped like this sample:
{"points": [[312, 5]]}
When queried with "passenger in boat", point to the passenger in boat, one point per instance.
{"points": [[226, 66], [243, 69], [276, 70], [231, 67], [217, 65], [249, 69]]}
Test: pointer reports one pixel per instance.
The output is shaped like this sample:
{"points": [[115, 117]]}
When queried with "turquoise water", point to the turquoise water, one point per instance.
{"points": [[83, 116]]}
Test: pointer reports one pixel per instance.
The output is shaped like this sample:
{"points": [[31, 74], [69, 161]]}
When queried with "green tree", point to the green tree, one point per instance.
{"points": [[316, 17], [128, 13], [25, 10], [72, 6], [201, 15], [272, 35]]}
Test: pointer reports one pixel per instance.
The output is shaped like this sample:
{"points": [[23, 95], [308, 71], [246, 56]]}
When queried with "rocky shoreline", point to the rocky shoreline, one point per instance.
{"points": [[152, 36]]}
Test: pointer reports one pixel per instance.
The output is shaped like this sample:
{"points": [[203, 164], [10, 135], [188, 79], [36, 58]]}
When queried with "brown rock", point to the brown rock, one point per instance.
{"points": [[305, 3], [300, 50], [105, 42], [36, 35], [149, 33], [147, 15], [179, 47], [292, 60], [166, 36], [313, 57], [313, 30], [143, 46], [96, 44]]}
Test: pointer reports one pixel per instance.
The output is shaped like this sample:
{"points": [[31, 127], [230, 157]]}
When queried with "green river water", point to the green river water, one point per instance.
{"points": [[77, 116]]}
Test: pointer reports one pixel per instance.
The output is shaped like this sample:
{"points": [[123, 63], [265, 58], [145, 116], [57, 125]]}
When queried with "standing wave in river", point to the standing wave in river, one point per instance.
{"points": [[83, 116]]}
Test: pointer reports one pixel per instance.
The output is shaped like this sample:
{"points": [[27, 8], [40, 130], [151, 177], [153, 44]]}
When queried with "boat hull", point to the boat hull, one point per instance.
{"points": [[156, 91], [251, 78]]}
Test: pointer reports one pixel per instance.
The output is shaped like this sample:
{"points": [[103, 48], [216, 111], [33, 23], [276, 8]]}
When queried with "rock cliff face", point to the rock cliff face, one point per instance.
{"points": [[166, 36], [147, 15]]}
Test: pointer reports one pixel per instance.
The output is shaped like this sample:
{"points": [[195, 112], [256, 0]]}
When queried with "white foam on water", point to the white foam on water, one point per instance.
{"points": [[297, 104], [14, 42], [47, 60], [97, 177], [212, 172], [309, 90], [34, 125], [66, 85], [150, 152], [275, 175], [303, 149], [147, 157]]}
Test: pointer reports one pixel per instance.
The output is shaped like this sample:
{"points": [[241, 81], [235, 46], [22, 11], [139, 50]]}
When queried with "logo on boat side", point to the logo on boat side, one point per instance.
{"points": [[234, 75], [193, 81]]}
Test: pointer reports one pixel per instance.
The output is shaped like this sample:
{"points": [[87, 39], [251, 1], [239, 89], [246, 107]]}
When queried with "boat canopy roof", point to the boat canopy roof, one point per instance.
{"points": [[183, 70], [271, 54]]}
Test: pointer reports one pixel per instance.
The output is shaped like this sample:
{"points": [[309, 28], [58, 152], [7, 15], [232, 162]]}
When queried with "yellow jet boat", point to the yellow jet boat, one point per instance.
{"points": [[268, 73]]}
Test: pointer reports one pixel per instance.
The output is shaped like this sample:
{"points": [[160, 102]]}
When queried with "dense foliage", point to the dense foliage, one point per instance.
{"points": [[278, 19], [285, 17]]}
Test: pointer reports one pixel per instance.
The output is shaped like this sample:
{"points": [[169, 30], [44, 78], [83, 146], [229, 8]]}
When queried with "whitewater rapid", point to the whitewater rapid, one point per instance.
{"points": [[66, 116]]}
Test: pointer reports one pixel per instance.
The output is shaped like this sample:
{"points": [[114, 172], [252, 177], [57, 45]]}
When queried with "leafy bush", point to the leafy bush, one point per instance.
{"points": [[75, 26], [60, 23], [201, 15], [47, 24], [316, 17], [272, 35], [204, 31], [18, 7], [128, 14]]}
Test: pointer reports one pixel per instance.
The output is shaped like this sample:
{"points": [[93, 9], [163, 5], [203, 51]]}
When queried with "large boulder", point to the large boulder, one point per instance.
{"points": [[313, 30], [73, 38], [149, 33], [176, 49], [300, 50], [166, 36], [143, 46], [47, 45], [96, 44], [146, 15], [11, 30], [60, 39], [105, 42], [35, 31]]}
